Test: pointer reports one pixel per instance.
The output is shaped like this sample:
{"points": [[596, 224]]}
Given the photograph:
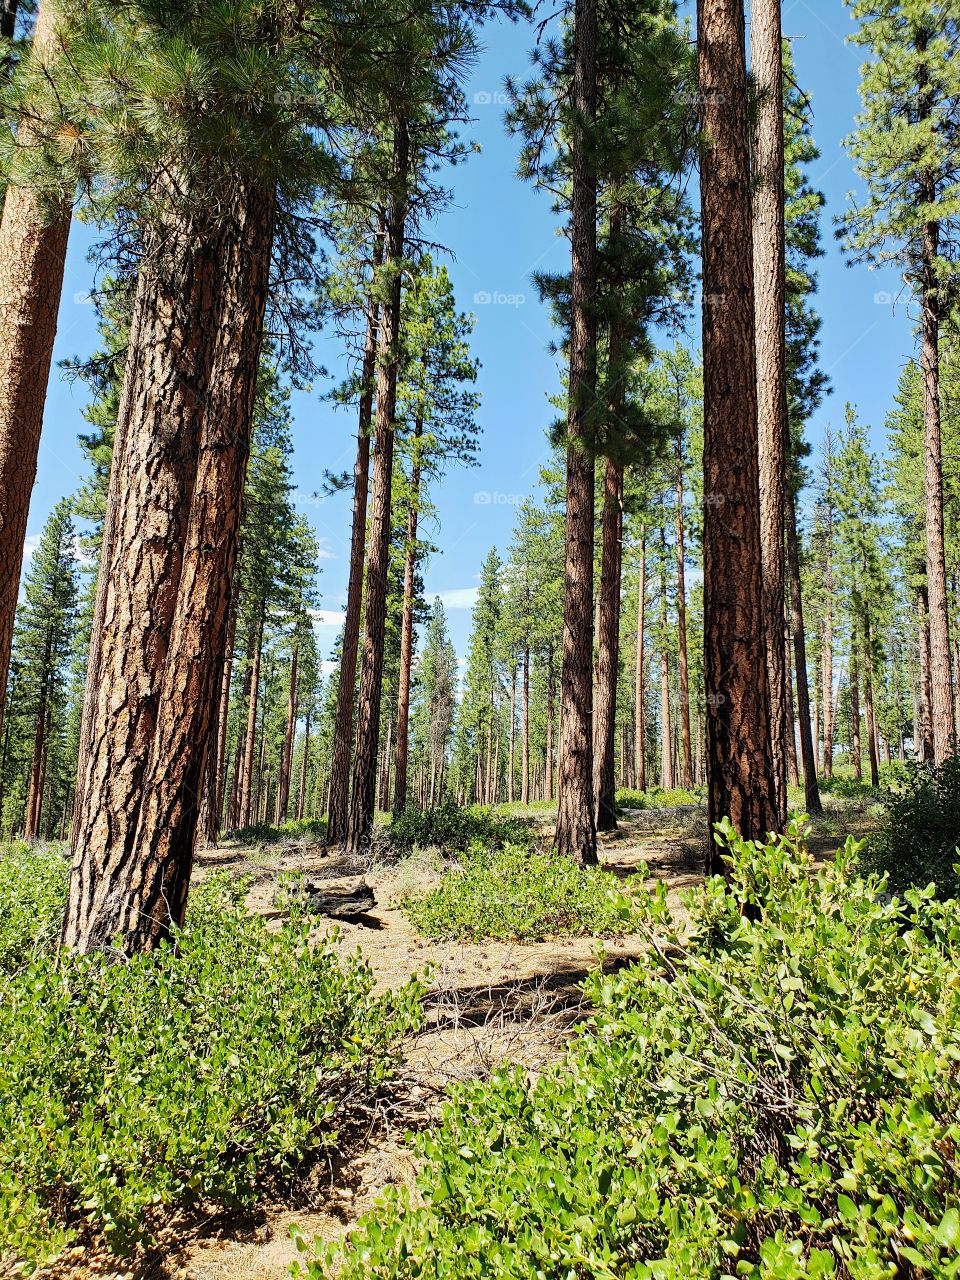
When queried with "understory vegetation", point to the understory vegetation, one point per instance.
{"points": [[657, 798], [769, 1097], [452, 828], [518, 893], [204, 1072], [918, 841]]}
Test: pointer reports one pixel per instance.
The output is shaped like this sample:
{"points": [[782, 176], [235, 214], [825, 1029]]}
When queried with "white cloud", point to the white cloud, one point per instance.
{"points": [[31, 543], [329, 667], [328, 617], [456, 598], [324, 551]]}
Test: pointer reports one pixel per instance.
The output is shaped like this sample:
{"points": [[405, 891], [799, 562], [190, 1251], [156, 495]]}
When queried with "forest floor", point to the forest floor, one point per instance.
{"points": [[486, 1004]]}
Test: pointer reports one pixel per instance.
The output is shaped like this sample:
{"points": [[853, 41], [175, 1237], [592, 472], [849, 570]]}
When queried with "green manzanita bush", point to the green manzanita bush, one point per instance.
{"points": [[516, 893], [919, 833], [771, 1098], [33, 889], [454, 828], [132, 1086], [655, 798]]}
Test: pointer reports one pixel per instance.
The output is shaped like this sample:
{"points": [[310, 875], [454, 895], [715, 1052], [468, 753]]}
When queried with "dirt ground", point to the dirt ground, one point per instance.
{"points": [[486, 1004]]}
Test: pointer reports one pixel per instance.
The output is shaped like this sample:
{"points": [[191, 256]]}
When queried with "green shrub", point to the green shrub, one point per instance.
{"points": [[267, 833], [656, 798], [919, 832], [454, 829], [517, 893], [130, 1088], [33, 888], [768, 1099]]}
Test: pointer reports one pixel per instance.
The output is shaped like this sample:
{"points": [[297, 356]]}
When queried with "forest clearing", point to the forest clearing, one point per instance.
{"points": [[479, 640]]}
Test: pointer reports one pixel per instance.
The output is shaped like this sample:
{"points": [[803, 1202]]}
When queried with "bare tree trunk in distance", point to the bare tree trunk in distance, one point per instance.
{"points": [[739, 762], [667, 780], [769, 264], [304, 769], [808, 756], [245, 806], [170, 542], [33, 249], [363, 798], [869, 707], [343, 722], [923, 733], [682, 632], [639, 693], [286, 759], [406, 629], [525, 730], [576, 833], [608, 649]]}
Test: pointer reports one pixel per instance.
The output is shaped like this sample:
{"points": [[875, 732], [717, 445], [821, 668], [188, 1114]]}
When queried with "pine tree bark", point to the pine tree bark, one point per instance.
{"points": [[33, 249], [548, 762], [363, 798], [667, 781], [286, 759], [343, 721], [924, 732], [639, 692], [245, 805], [525, 731], [868, 705], [169, 554], [769, 250], [687, 756], [576, 832], [401, 760], [304, 769], [608, 648], [856, 749], [808, 756], [739, 758]]}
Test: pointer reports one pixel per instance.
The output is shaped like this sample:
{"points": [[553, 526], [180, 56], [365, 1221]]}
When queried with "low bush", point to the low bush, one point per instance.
{"points": [[522, 894], [267, 833], [772, 1099], [33, 889], [656, 798], [919, 831], [130, 1088], [454, 829]]}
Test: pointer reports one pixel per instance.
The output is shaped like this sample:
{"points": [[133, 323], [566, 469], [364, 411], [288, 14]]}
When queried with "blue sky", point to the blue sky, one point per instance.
{"points": [[499, 231]]}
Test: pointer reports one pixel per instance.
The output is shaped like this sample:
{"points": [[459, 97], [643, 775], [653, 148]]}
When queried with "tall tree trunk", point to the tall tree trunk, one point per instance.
{"points": [[608, 648], [363, 798], [856, 751], [869, 705], [35, 789], [766, 65], [667, 781], [808, 756], [286, 758], [304, 769], [941, 682], [211, 802], [827, 660], [924, 746], [511, 761], [169, 554], [548, 764], [245, 811], [639, 693], [682, 631], [793, 771], [33, 248], [739, 759], [525, 731], [576, 833], [350, 644], [406, 627]]}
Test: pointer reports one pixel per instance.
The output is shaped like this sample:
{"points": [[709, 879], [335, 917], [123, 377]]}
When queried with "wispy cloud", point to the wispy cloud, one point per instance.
{"points": [[327, 617], [456, 597]]}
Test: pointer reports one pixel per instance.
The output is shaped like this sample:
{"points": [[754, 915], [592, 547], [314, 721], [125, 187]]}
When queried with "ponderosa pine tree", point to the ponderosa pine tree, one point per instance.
{"points": [[737, 695], [207, 217], [904, 147], [42, 644], [34, 229], [769, 265]]}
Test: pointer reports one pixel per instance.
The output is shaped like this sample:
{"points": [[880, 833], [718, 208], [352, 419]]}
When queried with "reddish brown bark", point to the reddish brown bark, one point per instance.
{"points": [[687, 755], [608, 648], [739, 762], [169, 554], [406, 628], [286, 759], [343, 723], [33, 248], [808, 756], [639, 695], [363, 798], [766, 66]]}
